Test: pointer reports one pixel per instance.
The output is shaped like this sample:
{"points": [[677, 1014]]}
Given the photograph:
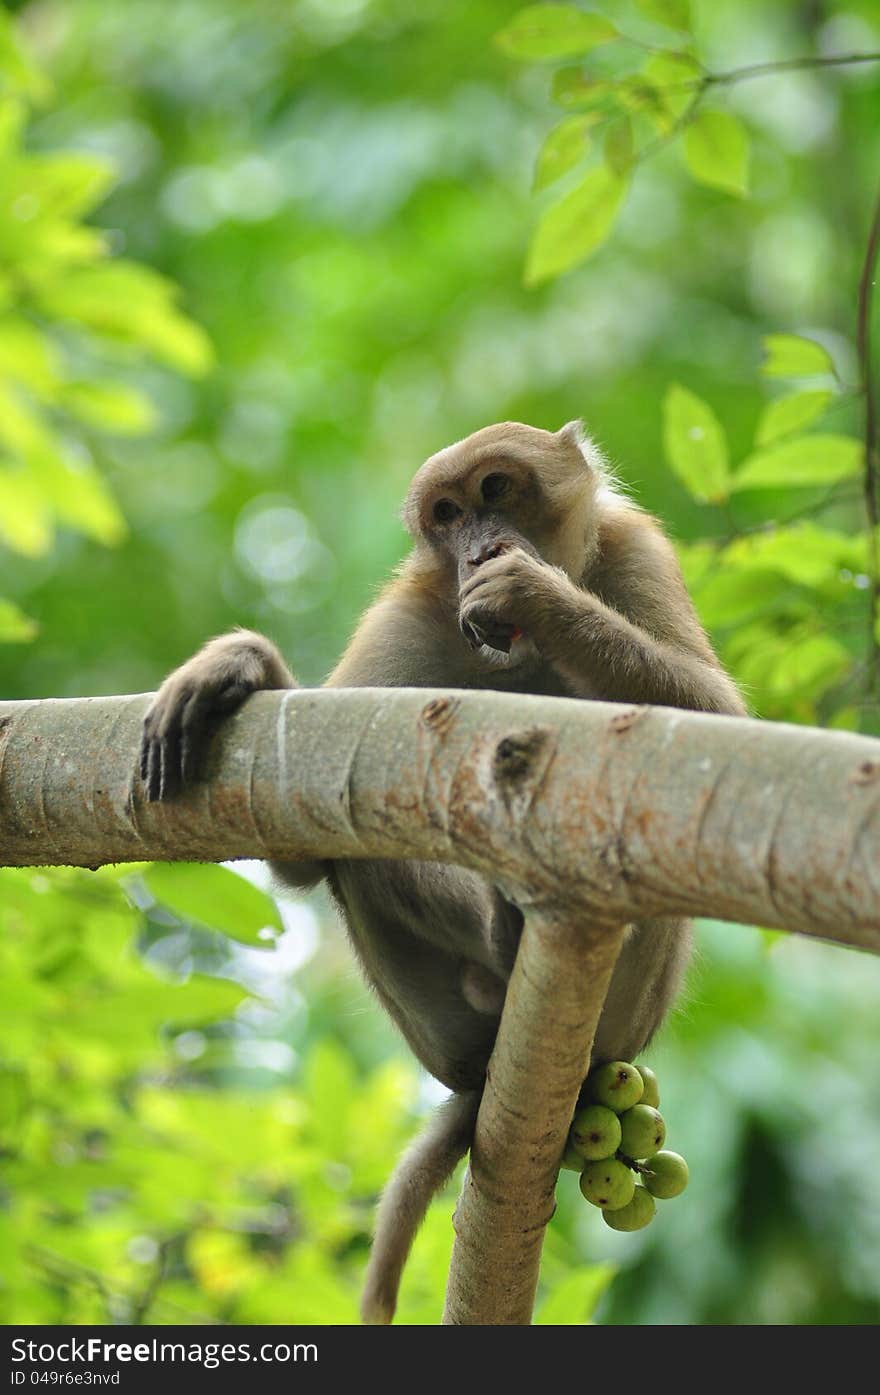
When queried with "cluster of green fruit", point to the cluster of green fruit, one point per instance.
{"points": [[618, 1137]]}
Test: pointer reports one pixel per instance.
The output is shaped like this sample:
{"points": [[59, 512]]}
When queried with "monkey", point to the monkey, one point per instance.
{"points": [[530, 571]]}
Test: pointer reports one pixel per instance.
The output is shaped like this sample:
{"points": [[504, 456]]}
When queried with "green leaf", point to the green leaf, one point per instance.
{"points": [[111, 407], [571, 230], [676, 14], [25, 514], [15, 626], [28, 357], [19, 73], [789, 414], [674, 77], [565, 146], [574, 1300], [695, 444], [619, 146], [792, 356], [554, 31], [805, 553], [214, 896], [809, 666], [732, 597], [133, 303], [805, 460], [576, 90], [716, 151], [79, 497]]}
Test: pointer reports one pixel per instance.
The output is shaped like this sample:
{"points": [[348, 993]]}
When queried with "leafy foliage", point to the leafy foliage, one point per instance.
{"points": [[197, 1126], [54, 273]]}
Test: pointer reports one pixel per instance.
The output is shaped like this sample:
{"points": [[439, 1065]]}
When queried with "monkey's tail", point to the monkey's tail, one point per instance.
{"points": [[421, 1172]]}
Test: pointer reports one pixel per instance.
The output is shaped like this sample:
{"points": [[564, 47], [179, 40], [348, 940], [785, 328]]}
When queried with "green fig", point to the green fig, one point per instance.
{"points": [[652, 1088], [617, 1085], [607, 1183], [642, 1131], [595, 1132], [638, 1213], [571, 1158], [666, 1175]]}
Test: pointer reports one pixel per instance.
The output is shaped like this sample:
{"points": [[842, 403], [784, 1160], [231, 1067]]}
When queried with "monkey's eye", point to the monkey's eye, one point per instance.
{"points": [[445, 511], [494, 486]]}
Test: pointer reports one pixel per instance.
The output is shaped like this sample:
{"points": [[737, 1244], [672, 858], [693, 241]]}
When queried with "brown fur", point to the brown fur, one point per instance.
{"points": [[556, 585]]}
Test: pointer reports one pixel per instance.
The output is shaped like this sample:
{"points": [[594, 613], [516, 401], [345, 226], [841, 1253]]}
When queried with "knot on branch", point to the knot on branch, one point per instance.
{"points": [[624, 721], [439, 714], [520, 762], [866, 773]]}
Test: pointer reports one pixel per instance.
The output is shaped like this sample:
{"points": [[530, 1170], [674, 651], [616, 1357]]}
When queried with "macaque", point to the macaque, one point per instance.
{"points": [[529, 572]]}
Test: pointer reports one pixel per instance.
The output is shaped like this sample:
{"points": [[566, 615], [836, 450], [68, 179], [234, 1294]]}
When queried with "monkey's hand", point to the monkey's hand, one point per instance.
{"points": [[180, 718], [513, 591]]}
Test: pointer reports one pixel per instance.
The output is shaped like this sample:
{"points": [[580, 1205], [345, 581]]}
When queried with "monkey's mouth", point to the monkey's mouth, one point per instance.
{"points": [[521, 649]]}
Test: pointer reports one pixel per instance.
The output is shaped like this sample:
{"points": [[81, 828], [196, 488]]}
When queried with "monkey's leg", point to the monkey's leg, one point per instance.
{"points": [[424, 1168], [645, 983]]}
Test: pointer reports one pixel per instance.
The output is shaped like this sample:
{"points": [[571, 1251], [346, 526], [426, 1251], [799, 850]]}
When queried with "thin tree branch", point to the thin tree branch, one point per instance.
{"points": [[872, 439], [553, 1004], [785, 65]]}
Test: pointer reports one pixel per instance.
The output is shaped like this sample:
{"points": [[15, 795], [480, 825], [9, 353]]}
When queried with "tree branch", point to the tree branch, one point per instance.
{"points": [[872, 440], [588, 815], [622, 812]]}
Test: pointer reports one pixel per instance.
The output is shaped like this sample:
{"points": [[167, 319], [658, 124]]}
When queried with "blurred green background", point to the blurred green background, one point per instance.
{"points": [[198, 1100]]}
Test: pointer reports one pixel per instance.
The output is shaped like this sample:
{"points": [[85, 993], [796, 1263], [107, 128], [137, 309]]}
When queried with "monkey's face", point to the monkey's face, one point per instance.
{"points": [[503, 486], [513, 496]]}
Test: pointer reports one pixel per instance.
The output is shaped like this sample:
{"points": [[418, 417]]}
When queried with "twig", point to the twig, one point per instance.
{"points": [[872, 439], [784, 65]]}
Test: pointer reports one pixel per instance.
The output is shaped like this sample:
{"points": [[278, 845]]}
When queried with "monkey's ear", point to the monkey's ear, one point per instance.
{"points": [[573, 431]]}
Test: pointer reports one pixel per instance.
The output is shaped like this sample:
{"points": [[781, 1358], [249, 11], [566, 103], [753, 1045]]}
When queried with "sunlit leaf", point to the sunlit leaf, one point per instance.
{"points": [[716, 150], [809, 665], [789, 414], [695, 444], [28, 357], [675, 77], [554, 31], [80, 497], [214, 896], [805, 553], [19, 73], [792, 356], [69, 184], [15, 626], [25, 514], [571, 230], [112, 407], [674, 13], [565, 146], [130, 302], [574, 1300], [805, 460]]}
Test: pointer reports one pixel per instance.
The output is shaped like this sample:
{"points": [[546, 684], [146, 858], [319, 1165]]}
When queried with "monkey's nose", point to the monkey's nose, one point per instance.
{"points": [[486, 553]]}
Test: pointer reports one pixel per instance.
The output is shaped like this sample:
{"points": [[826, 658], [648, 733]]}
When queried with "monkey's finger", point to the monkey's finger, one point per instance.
{"points": [[152, 780]]}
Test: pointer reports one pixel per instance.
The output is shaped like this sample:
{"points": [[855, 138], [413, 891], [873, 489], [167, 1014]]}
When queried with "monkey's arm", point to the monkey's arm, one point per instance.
{"points": [[633, 636], [186, 708], [403, 641]]}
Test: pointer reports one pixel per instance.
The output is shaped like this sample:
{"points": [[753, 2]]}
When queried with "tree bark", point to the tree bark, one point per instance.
{"points": [[587, 815], [622, 812]]}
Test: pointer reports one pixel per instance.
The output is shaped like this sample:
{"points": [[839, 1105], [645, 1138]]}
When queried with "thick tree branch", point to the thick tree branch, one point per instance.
{"points": [[622, 812], [588, 814]]}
